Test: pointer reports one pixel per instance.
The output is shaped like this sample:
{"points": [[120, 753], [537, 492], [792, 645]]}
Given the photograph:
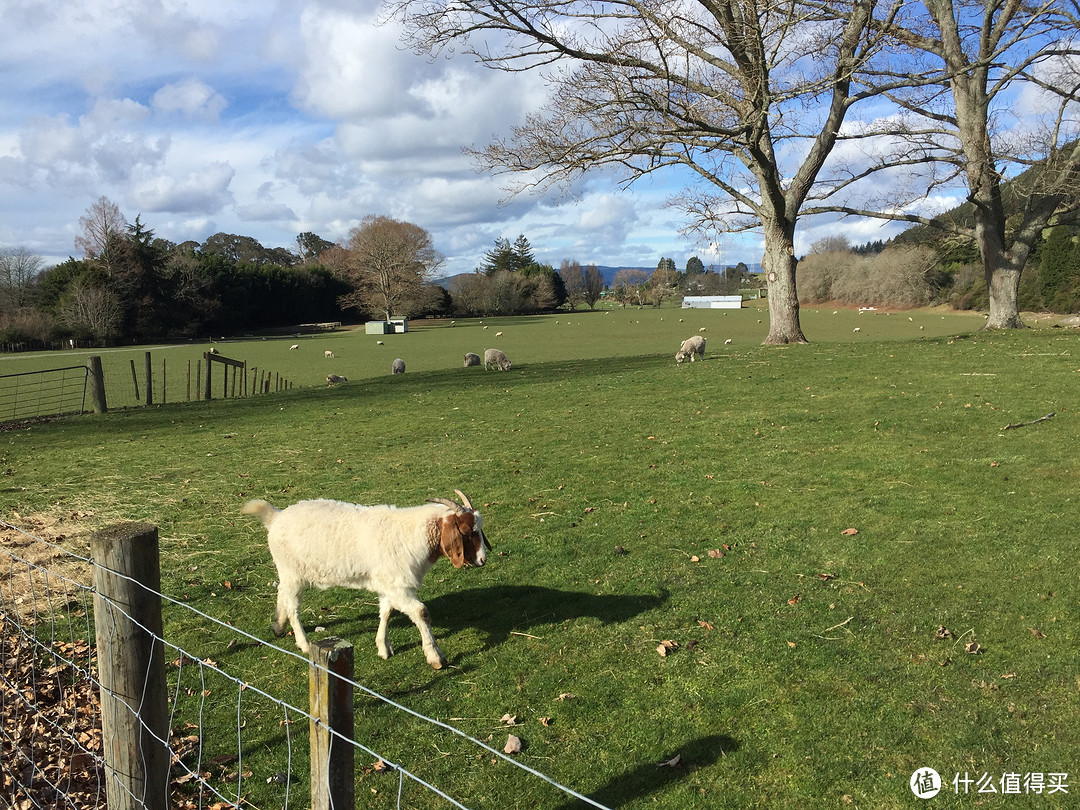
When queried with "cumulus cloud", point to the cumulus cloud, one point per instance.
{"points": [[205, 190], [192, 98]]}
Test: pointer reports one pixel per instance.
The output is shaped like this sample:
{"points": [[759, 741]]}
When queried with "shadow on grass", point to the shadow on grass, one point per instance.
{"points": [[505, 609], [650, 777]]}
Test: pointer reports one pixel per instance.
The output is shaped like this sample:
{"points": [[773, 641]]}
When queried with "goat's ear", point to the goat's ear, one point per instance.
{"points": [[452, 541]]}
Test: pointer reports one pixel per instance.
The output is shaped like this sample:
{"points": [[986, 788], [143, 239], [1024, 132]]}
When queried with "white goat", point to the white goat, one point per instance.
{"points": [[471, 359], [496, 358], [398, 366], [692, 347], [383, 549]]}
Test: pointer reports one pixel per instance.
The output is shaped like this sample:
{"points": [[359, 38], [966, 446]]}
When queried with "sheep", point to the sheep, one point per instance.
{"points": [[496, 358], [213, 351], [471, 359], [294, 347], [498, 334], [692, 347], [398, 366], [383, 549], [333, 379], [857, 329], [727, 342], [328, 354], [379, 343]]}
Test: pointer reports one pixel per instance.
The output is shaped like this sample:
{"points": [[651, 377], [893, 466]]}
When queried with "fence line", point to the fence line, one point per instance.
{"points": [[37, 624]]}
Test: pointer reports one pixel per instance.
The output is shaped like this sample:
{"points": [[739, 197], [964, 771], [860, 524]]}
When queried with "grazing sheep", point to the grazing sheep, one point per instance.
{"points": [[213, 351], [498, 334], [333, 379], [379, 343], [692, 348], [857, 329], [471, 359], [383, 549], [328, 354], [496, 358], [294, 347], [398, 366], [727, 342], [702, 329]]}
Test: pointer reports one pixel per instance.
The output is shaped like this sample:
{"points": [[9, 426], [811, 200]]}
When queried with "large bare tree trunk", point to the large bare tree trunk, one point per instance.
{"points": [[778, 264], [1001, 267]]}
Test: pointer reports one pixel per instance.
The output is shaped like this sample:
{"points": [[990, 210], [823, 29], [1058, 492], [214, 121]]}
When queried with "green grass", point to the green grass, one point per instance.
{"points": [[807, 673]]}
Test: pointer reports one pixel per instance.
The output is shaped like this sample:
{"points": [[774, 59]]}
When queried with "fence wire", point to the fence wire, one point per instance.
{"points": [[51, 747]]}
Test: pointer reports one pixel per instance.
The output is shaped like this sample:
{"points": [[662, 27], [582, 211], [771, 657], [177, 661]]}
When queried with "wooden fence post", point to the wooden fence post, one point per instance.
{"points": [[97, 384], [333, 784], [135, 380], [131, 666], [149, 382], [209, 363]]}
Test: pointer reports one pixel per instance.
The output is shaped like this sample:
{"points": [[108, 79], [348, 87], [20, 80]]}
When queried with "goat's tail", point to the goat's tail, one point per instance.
{"points": [[263, 510]]}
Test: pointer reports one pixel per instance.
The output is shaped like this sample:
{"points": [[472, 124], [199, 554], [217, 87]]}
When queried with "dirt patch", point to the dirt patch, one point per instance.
{"points": [[43, 561]]}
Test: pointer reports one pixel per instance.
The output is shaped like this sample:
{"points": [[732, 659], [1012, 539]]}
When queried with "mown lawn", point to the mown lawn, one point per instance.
{"points": [[861, 490]]}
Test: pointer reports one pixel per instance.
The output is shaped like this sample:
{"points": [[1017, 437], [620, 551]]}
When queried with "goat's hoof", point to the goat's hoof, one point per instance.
{"points": [[438, 664], [278, 630]]}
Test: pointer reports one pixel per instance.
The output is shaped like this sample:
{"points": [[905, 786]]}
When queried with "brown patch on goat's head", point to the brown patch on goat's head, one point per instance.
{"points": [[460, 539]]}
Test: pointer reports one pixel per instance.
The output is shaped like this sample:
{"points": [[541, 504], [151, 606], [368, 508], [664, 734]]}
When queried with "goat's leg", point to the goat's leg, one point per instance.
{"points": [[381, 643], [289, 595], [418, 612]]}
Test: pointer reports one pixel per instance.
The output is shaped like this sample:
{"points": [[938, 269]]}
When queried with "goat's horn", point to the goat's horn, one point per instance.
{"points": [[457, 507], [464, 499]]}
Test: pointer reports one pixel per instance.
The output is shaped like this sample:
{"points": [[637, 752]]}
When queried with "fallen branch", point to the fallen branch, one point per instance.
{"points": [[1025, 424]]}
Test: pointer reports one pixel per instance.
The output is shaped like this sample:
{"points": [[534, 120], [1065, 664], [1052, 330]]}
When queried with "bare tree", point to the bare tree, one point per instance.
{"points": [[91, 309], [387, 262], [103, 233], [594, 285], [663, 283], [627, 285], [976, 61], [19, 270], [834, 243], [719, 87], [574, 280]]}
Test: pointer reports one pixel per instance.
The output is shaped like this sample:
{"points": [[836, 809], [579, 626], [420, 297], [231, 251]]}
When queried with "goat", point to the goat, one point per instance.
{"points": [[328, 354], [398, 366], [692, 348], [471, 359], [333, 379], [496, 358], [383, 549]]}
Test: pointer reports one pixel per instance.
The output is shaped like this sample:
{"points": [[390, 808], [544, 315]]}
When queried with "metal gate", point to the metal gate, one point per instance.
{"points": [[43, 393]]}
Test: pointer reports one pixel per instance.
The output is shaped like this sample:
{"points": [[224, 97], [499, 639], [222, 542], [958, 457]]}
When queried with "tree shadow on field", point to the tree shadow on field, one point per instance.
{"points": [[650, 777], [504, 609]]}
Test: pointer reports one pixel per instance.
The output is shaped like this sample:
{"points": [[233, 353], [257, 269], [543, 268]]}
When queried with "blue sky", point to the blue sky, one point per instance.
{"points": [[268, 118]]}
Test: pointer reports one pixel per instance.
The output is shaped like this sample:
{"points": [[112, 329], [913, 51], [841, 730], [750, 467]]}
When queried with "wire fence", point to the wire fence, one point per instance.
{"points": [[53, 752]]}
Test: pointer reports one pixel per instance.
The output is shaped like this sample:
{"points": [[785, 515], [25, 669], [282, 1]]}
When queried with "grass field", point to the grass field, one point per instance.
{"points": [[810, 669]]}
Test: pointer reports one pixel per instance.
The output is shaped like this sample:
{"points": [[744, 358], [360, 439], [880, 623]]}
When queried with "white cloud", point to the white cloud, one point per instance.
{"points": [[206, 190], [192, 98]]}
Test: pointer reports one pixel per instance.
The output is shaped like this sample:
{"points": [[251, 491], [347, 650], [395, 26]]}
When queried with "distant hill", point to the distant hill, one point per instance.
{"points": [[608, 272]]}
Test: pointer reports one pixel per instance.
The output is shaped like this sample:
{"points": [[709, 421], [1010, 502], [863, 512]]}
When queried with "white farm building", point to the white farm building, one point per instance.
{"points": [[712, 302]]}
